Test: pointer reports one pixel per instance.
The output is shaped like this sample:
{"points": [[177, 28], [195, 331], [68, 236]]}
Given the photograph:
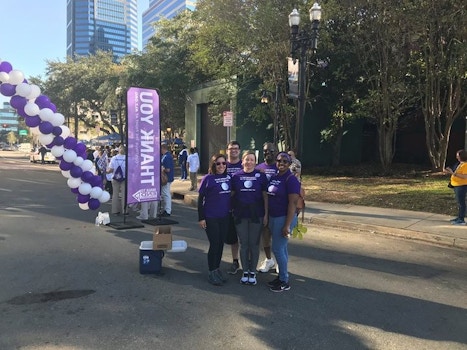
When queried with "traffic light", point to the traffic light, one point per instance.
{"points": [[113, 118]]}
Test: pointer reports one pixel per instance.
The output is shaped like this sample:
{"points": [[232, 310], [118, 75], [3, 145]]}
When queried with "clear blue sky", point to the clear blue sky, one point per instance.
{"points": [[33, 31]]}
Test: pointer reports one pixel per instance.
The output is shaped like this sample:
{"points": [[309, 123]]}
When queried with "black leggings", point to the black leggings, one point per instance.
{"points": [[216, 230]]}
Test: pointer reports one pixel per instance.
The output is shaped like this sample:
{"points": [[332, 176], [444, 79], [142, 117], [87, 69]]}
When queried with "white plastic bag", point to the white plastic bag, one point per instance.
{"points": [[103, 218]]}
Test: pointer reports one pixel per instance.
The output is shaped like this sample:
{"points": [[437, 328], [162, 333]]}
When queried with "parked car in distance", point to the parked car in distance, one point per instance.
{"points": [[35, 157], [8, 148]]}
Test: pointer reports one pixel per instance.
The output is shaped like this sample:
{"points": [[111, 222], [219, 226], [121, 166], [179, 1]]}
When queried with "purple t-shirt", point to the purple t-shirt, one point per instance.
{"points": [[269, 170], [214, 192], [233, 168], [280, 186], [248, 197]]}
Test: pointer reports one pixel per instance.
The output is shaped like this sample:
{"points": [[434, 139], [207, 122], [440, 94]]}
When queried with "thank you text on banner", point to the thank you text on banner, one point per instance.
{"points": [[144, 160]]}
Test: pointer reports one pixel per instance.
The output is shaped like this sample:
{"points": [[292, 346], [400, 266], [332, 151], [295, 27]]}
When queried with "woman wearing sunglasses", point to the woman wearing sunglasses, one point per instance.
{"points": [[283, 193], [213, 213]]}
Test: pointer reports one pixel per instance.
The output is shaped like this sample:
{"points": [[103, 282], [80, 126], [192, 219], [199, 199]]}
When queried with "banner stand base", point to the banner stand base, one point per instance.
{"points": [[125, 225], [159, 221]]}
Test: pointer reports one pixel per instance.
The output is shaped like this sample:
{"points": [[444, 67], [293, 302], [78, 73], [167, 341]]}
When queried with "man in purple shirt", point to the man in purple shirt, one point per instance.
{"points": [[270, 169], [234, 164]]}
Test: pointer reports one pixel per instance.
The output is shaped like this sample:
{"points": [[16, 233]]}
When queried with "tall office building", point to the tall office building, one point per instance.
{"points": [[108, 25], [162, 9]]}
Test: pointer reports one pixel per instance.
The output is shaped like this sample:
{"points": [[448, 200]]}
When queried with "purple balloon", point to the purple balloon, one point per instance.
{"points": [[57, 131], [76, 171], [75, 190], [46, 128], [7, 89], [80, 148], [6, 67], [65, 165], [18, 102], [87, 176], [59, 158], [70, 142], [53, 107], [42, 101], [83, 198], [96, 181], [94, 203], [32, 121], [83, 155], [50, 145], [58, 140]]}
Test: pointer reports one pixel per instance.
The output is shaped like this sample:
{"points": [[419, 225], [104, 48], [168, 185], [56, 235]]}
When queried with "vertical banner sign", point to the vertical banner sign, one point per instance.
{"points": [[144, 160], [293, 77]]}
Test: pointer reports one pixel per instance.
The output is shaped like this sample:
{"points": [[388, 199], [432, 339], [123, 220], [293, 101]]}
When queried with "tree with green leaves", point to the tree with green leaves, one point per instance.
{"points": [[439, 67]]}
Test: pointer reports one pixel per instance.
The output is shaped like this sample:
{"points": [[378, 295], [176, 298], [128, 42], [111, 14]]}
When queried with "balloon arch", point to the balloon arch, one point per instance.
{"points": [[41, 116]]}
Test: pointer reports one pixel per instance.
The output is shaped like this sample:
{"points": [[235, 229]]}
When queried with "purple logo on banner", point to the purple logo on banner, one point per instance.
{"points": [[144, 157]]}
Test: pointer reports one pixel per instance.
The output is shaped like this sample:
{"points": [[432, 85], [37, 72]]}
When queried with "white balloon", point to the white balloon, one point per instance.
{"points": [[85, 188], [35, 130], [74, 182], [96, 192], [105, 196], [65, 131], [58, 119], [66, 173], [31, 109], [16, 77], [57, 151], [87, 165], [69, 155], [35, 92], [84, 206], [4, 77], [23, 89], [46, 139], [78, 161], [46, 114]]}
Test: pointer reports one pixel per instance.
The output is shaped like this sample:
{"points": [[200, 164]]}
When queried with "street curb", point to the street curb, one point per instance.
{"points": [[309, 222], [458, 243]]}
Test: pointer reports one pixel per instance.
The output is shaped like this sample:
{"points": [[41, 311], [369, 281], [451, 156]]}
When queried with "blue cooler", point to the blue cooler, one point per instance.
{"points": [[150, 261]]}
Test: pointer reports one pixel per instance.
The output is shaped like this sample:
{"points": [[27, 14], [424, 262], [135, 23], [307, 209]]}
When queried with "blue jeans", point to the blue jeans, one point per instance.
{"points": [[183, 170], [460, 192], [279, 245]]}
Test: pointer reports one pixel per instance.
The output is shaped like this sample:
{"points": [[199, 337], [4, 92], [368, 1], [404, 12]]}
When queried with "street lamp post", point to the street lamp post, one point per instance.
{"points": [[120, 95], [265, 98], [300, 42]]}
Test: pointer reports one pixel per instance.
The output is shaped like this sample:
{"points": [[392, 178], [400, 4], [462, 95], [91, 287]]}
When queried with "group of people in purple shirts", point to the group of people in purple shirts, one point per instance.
{"points": [[243, 203]]}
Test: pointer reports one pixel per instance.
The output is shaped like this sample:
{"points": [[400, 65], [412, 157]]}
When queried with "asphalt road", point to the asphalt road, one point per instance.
{"points": [[67, 284]]}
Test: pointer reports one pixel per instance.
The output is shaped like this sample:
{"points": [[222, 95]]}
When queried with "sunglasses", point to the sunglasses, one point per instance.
{"points": [[221, 163], [283, 161]]}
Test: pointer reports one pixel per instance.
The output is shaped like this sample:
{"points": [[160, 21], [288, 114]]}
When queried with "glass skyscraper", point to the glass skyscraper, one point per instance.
{"points": [[108, 25], [162, 9]]}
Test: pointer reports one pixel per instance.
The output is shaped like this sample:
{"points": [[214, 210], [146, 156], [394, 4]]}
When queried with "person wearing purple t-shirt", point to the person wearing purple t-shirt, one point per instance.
{"points": [[214, 212], [269, 168], [250, 212], [283, 193], [234, 164]]}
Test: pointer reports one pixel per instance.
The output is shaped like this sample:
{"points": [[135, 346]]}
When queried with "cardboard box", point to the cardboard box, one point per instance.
{"points": [[162, 238]]}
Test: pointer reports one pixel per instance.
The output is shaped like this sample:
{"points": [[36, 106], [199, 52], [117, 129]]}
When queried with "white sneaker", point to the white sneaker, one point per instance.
{"points": [[139, 217], [252, 278], [267, 265], [244, 279]]}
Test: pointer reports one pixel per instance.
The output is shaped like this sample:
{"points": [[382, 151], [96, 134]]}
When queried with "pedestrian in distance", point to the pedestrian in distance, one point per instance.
{"points": [[117, 168], [182, 160], [250, 204], [43, 152], [213, 213], [459, 184], [167, 165], [192, 165], [283, 193], [234, 164], [269, 168]]}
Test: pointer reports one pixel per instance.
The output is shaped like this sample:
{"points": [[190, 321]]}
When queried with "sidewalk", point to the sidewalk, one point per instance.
{"points": [[428, 227]]}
